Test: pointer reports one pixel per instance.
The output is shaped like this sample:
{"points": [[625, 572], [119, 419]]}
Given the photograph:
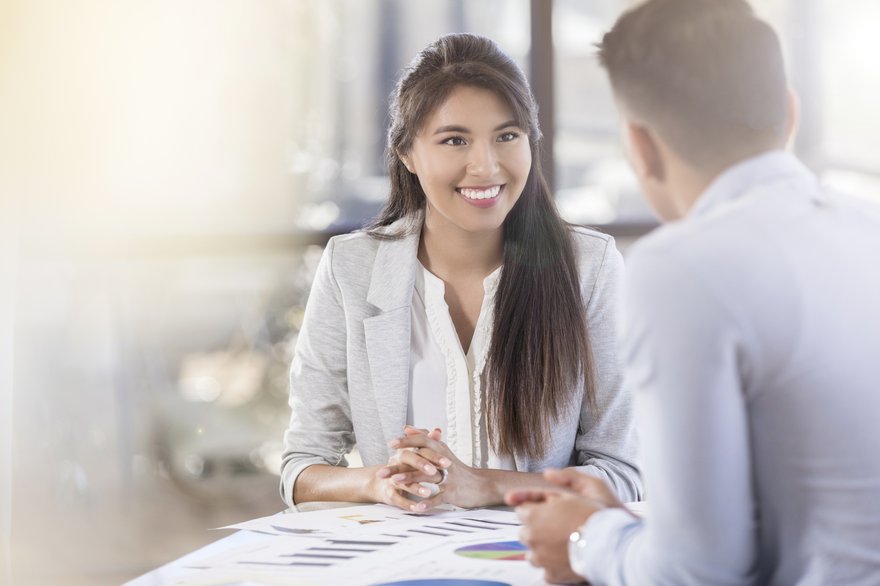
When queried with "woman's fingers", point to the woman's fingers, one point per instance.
{"points": [[410, 430], [412, 477], [435, 450], [419, 458], [410, 483], [393, 467], [416, 484], [387, 471], [396, 495], [423, 489], [435, 434], [397, 498], [425, 460], [416, 440], [426, 504]]}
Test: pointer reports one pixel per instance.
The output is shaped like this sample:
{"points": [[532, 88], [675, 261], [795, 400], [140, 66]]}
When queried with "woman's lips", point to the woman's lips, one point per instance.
{"points": [[481, 197]]}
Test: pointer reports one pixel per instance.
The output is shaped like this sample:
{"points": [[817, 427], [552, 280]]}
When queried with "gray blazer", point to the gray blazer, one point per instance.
{"points": [[350, 371]]}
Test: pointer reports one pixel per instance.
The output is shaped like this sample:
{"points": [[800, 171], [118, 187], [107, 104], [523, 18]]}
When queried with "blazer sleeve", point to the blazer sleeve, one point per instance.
{"points": [[607, 443], [320, 429]]}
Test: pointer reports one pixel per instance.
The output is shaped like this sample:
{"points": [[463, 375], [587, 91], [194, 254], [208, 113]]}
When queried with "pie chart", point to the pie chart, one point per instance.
{"points": [[499, 550]]}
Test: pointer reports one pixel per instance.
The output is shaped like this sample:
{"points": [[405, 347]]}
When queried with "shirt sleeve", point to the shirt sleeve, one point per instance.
{"points": [[607, 443], [320, 429], [683, 345]]}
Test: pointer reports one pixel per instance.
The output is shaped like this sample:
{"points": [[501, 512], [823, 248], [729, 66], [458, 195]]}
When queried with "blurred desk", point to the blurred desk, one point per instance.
{"points": [[176, 571]]}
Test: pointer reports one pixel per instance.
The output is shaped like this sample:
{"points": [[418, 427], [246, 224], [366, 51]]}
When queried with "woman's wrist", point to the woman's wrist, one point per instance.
{"points": [[370, 487], [495, 484], [486, 485]]}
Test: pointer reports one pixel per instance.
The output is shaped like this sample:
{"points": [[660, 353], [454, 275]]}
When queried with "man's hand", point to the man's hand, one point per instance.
{"points": [[550, 516]]}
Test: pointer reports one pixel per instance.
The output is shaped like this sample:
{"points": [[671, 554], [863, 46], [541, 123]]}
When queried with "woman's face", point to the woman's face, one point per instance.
{"points": [[472, 161]]}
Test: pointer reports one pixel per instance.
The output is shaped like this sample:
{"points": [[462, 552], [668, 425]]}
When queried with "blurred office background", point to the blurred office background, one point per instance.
{"points": [[169, 172]]}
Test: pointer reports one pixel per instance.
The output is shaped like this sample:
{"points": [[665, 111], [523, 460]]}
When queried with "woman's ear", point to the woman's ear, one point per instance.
{"points": [[406, 162]]}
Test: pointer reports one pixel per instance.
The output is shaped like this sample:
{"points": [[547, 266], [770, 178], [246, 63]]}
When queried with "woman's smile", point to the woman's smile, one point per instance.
{"points": [[482, 197]]}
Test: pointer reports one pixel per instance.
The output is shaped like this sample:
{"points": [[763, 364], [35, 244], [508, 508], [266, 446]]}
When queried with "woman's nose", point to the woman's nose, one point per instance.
{"points": [[483, 160]]}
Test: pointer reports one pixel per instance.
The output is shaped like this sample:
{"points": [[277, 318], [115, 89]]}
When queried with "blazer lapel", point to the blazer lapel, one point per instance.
{"points": [[387, 334], [388, 339]]}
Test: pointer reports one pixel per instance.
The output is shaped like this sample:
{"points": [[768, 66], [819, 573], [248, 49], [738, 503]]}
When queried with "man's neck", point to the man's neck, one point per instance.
{"points": [[691, 182]]}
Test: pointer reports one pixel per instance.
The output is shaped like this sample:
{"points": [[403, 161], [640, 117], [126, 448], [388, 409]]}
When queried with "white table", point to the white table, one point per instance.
{"points": [[177, 571]]}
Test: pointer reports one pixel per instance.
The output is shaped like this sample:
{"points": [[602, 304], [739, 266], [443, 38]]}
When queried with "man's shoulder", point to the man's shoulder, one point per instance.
{"points": [[720, 244], [672, 240], [739, 225]]}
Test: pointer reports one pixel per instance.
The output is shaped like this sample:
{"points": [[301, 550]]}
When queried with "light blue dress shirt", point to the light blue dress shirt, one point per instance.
{"points": [[753, 347]]}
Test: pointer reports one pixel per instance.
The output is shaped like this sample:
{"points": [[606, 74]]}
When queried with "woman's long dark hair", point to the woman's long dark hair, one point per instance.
{"points": [[540, 350]]}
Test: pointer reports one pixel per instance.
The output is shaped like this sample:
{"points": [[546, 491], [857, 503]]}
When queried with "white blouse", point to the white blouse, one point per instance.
{"points": [[446, 385]]}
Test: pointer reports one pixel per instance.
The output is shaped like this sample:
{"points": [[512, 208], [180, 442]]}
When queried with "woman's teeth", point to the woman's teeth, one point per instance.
{"points": [[480, 193]]}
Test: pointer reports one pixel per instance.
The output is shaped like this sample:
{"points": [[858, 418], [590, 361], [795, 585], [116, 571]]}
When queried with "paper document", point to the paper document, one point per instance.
{"points": [[376, 545]]}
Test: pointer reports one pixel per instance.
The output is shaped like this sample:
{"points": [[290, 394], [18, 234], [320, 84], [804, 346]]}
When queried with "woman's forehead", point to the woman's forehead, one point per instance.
{"points": [[472, 107]]}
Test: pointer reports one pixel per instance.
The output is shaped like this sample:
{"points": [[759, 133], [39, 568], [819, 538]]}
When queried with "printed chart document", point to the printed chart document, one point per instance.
{"points": [[374, 545]]}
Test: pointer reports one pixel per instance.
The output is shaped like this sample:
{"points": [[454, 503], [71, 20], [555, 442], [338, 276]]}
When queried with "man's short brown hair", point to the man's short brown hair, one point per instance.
{"points": [[707, 75]]}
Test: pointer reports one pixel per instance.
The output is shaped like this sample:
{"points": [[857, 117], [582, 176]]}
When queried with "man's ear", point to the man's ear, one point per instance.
{"points": [[645, 153], [793, 117]]}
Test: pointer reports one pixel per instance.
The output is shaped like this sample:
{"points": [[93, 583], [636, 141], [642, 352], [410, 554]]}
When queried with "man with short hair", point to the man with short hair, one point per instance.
{"points": [[753, 332]]}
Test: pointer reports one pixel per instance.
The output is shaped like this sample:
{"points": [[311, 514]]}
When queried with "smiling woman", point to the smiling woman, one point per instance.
{"points": [[470, 153], [462, 357]]}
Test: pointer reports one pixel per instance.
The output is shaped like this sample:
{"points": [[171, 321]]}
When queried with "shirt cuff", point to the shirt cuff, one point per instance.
{"points": [[605, 536]]}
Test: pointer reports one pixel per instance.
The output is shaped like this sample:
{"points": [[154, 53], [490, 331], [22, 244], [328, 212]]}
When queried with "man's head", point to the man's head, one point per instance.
{"points": [[701, 81]]}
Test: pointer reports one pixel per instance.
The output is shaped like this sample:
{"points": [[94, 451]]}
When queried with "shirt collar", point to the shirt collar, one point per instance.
{"points": [[490, 283], [769, 167], [427, 280]]}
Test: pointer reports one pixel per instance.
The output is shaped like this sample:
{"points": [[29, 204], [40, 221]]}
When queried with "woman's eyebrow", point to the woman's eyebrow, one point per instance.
{"points": [[462, 129], [452, 128]]}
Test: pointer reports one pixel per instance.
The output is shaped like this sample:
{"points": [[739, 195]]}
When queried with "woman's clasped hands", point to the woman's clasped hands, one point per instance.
{"points": [[423, 473]]}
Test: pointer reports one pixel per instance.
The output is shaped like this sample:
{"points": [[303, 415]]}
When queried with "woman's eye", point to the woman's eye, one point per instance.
{"points": [[508, 136], [454, 141]]}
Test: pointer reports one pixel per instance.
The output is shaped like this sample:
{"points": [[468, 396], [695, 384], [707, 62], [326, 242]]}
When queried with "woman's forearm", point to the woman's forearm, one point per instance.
{"points": [[494, 484], [322, 482]]}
